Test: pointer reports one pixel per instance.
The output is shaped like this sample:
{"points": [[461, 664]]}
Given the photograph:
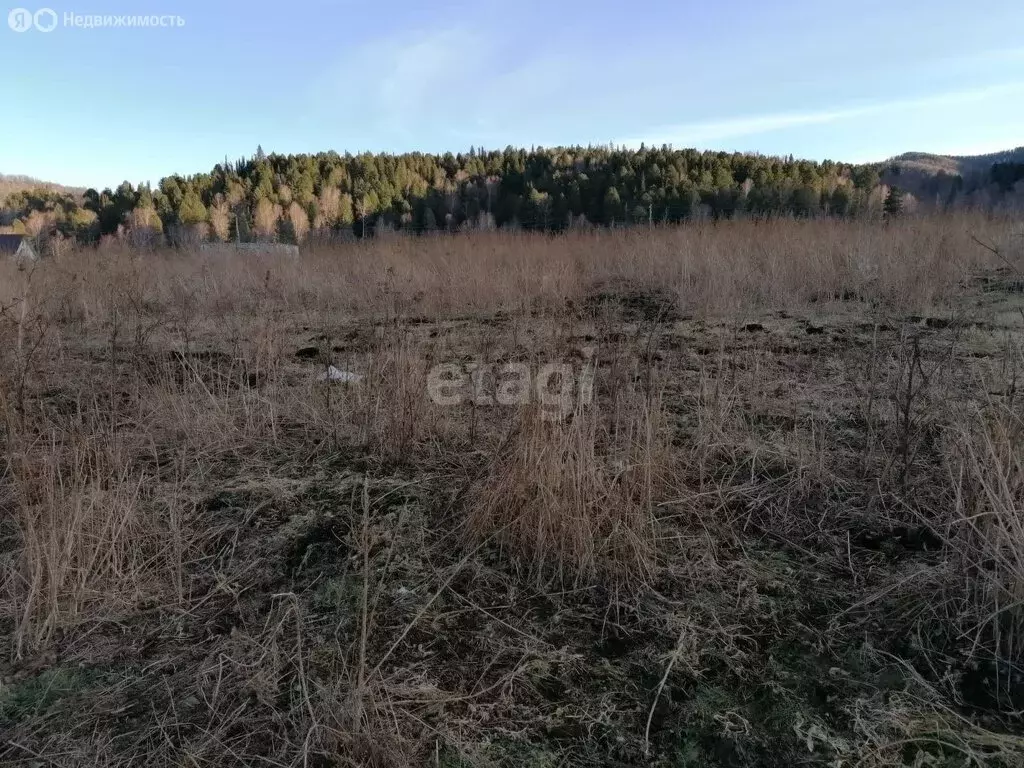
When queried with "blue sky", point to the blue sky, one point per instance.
{"points": [[822, 79]]}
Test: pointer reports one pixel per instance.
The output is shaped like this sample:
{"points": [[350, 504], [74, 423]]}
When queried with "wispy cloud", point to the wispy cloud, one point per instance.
{"points": [[449, 86], [705, 132], [406, 75], [395, 86], [458, 85]]}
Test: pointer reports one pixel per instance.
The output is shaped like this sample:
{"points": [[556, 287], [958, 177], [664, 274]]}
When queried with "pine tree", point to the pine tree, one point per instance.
{"points": [[192, 210], [893, 205], [612, 206]]}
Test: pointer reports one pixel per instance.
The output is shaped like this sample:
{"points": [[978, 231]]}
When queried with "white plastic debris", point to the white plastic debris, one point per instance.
{"points": [[336, 374]]}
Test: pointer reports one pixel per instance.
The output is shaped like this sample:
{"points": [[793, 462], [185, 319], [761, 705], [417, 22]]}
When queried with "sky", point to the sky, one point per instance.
{"points": [[821, 79]]}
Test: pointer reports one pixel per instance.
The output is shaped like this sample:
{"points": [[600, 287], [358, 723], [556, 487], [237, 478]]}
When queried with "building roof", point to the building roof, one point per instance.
{"points": [[10, 243]]}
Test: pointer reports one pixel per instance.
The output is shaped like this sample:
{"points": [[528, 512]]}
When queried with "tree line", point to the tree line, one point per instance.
{"points": [[290, 198]]}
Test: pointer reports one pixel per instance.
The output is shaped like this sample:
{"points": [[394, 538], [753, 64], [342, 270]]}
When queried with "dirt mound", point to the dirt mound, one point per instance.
{"points": [[632, 303]]}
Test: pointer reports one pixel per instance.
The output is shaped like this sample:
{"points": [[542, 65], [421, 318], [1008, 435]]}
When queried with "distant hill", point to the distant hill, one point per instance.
{"points": [[944, 177], [9, 184], [15, 183], [964, 165]]}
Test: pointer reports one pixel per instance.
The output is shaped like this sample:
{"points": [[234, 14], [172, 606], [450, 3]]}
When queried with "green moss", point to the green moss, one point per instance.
{"points": [[37, 694]]}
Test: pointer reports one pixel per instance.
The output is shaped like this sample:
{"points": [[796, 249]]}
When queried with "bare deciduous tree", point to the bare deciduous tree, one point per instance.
{"points": [[220, 219], [265, 218], [299, 222]]}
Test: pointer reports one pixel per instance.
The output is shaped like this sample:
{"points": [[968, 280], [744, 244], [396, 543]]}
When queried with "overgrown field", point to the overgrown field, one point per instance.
{"points": [[757, 498]]}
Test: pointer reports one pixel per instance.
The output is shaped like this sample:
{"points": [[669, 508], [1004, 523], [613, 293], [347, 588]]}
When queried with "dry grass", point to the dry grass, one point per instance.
{"points": [[785, 528], [711, 268], [84, 538], [576, 493], [987, 520]]}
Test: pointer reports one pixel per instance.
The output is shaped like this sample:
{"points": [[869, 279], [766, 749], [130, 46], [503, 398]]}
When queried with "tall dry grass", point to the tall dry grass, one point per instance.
{"points": [[569, 496], [711, 269], [986, 520], [89, 545]]}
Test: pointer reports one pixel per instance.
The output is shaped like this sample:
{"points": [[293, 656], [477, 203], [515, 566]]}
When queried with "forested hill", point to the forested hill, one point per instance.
{"points": [[982, 180], [288, 197], [962, 165], [9, 184]]}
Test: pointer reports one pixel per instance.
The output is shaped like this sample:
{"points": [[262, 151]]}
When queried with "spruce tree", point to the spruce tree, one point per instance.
{"points": [[893, 205]]}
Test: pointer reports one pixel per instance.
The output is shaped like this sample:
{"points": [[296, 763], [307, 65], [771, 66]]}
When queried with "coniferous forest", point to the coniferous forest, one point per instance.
{"points": [[290, 198]]}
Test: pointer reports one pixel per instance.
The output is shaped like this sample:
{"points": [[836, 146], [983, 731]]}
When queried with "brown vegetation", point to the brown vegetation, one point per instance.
{"points": [[784, 527]]}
